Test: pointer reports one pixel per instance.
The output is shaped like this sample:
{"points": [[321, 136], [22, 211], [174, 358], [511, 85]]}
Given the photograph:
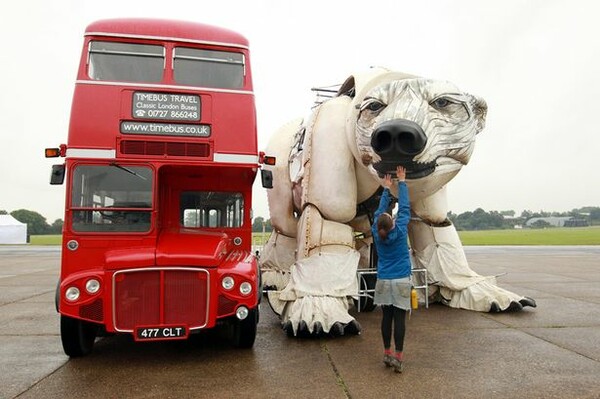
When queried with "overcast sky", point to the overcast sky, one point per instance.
{"points": [[536, 63]]}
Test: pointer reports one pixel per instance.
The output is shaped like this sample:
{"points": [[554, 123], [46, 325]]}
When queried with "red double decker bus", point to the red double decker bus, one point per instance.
{"points": [[159, 164]]}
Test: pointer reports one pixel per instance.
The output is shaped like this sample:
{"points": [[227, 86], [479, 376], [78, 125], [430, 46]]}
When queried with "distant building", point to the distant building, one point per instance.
{"points": [[559, 221], [12, 231], [577, 222]]}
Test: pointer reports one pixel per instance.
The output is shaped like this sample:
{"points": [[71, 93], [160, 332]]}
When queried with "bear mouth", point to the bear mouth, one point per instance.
{"points": [[417, 170], [414, 170]]}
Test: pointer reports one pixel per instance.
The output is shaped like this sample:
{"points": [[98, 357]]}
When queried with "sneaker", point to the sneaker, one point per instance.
{"points": [[387, 360], [397, 365]]}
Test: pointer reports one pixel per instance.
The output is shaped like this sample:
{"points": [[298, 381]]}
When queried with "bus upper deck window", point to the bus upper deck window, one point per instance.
{"points": [[126, 62], [209, 68]]}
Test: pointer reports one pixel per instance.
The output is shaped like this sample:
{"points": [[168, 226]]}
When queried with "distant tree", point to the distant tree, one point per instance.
{"points": [[3, 212], [479, 220], [482, 220], [540, 224], [510, 213], [577, 213], [451, 216], [36, 223], [463, 221], [487, 221], [587, 209], [526, 214], [595, 216], [257, 224], [56, 227]]}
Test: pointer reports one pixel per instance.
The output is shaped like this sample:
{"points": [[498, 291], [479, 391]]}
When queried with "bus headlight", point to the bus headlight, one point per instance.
{"points": [[245, 288], [92, 286], [72, 294], [241, 313], [228, 283]]}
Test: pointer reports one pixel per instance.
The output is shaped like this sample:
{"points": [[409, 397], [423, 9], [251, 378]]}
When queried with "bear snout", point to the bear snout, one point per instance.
{"points": [[398, 138], [396, 142]]}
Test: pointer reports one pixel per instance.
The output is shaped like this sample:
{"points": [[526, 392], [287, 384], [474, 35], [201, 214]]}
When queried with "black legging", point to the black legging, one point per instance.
{"points": [[398, 315]]}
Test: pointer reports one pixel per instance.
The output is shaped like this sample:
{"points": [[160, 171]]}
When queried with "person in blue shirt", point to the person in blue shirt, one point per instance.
{"points": [[393, 287]]}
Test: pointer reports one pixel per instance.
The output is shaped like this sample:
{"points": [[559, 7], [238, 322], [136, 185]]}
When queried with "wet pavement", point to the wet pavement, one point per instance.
{"points": [[552, 351]]}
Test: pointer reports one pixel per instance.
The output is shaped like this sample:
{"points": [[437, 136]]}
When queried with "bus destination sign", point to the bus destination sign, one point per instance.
{"points": [[166, 106]]}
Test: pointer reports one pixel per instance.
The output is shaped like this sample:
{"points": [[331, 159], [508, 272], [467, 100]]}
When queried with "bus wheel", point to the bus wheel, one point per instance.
{"points": [[77, 336], [244, 331], [57, 296]]}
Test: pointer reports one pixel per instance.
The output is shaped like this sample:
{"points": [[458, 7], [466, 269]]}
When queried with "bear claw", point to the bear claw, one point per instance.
{"points": [[495, 308], [514, 307], [353, 328], [526, 301]]}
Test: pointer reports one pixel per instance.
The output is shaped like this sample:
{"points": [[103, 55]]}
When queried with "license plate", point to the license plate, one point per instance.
{"points": [[160, 333]]}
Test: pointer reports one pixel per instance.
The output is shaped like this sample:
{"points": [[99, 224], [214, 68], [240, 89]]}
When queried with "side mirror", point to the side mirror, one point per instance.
{"points": [[57, 176], [266, 176]]}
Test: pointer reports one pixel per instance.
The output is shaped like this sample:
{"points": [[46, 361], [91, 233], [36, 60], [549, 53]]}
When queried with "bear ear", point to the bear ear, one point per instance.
{"points": [[348, 88], [479, 107]]}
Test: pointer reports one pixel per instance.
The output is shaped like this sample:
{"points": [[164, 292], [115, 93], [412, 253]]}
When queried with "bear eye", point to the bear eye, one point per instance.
{"points": [[440, 103], [373, 105]]}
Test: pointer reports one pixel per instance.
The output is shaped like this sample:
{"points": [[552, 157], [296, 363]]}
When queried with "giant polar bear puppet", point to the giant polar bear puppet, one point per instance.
{"points": [[326, 184]]}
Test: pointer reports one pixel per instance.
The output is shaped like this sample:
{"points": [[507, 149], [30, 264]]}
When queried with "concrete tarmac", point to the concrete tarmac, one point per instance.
{"points": [[552, 351]]}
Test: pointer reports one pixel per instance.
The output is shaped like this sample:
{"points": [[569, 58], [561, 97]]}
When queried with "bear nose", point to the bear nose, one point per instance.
{"points": [[398, 139]]}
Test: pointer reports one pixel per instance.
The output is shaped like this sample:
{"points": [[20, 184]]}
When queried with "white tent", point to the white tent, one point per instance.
{"points": [[12, 231]]}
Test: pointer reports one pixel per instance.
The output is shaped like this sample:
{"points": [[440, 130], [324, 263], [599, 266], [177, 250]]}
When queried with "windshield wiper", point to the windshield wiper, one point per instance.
{"points": [[116, 165]]}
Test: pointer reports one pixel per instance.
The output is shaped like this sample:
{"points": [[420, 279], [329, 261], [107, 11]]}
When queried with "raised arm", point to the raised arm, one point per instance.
{"points": [[403, 215], [384, 201]]}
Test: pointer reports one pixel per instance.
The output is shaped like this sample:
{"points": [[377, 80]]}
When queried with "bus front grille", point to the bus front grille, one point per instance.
{"points": [[154, 297]]}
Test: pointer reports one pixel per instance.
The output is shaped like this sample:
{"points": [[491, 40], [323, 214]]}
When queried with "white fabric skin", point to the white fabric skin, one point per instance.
{"points": [[318, 289], [275, 261], [278, 253], [439, 250], [322, 183]]}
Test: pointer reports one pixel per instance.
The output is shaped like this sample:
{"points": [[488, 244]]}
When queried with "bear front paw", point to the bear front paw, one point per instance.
{"points": [[337, 329]]}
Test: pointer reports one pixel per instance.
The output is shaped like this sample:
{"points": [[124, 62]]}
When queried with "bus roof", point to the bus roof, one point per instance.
{"points": [[166, 30]]}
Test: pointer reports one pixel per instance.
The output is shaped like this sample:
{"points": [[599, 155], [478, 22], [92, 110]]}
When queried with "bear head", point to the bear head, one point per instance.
{"points": [[427, 126]]}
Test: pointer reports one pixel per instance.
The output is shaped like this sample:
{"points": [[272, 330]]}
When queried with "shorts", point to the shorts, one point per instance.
{"points": [[394, 292]]}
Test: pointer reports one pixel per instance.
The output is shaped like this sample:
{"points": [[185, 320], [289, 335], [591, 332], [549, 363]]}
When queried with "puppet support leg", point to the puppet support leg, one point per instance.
{"points": [[323, 278], [278, 256], [439, 250]]}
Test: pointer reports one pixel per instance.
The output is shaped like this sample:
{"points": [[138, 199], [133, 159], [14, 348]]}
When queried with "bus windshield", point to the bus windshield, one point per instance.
{"points": [[211, 209], [112, 198], [131, 62], [126, 62], [208, 68]]}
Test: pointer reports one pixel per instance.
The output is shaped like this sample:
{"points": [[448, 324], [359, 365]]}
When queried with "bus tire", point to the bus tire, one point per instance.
{"points": [[57, 296], [77, 336], [244, 331]]}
